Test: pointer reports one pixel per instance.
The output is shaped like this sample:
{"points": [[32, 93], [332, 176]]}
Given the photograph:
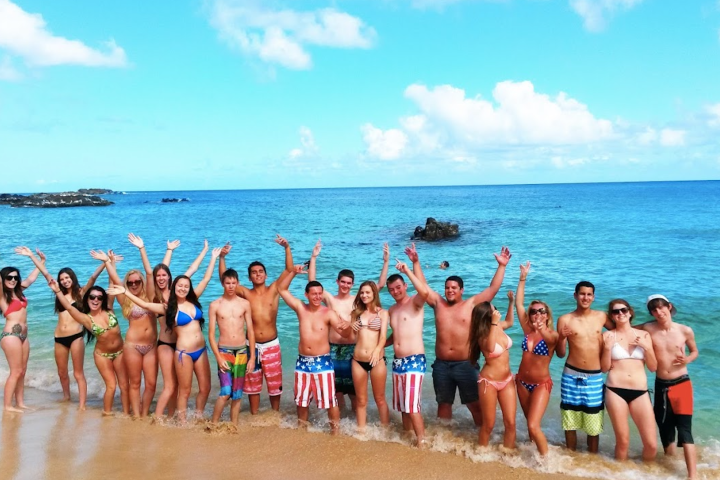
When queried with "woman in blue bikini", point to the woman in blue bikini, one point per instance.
{"points": [[184, 315], [68, 333], [533, 379]]}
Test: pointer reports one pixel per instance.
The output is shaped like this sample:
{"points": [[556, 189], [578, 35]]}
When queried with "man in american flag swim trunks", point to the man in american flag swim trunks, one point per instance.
{"points": [[409, 365], [314, 372]]}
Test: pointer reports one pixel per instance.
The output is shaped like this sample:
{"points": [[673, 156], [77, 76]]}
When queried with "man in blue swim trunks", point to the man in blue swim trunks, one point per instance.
{"points": [[582, 395], [451, 370]]}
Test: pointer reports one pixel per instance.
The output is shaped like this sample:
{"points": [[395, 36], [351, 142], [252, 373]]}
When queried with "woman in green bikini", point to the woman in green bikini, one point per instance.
{"points": [[100, 322]]}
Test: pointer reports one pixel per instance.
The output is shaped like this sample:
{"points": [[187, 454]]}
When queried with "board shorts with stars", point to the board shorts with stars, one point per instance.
{"points": [[315, 379], [407, 375]]}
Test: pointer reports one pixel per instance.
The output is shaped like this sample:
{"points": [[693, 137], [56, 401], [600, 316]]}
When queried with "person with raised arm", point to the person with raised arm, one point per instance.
{"points": [[581, 393], [626, 353], [674, 346], [234, 354], [451, 370], [14, 337], [341, 348], [100, 322], [370, 323], [533, 380], [409, 365], [162, 279], [68, 333], [140, 357], [264, 301], [183, 313], [495, 381], [314, 372]]}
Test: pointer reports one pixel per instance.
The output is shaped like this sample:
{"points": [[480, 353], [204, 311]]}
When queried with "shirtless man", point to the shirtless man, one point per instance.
{"points": [[582, 401], [451, 370], [231, 315], [341, 348], [314, 372], [409, 365], [673, 390], [264, 300]]}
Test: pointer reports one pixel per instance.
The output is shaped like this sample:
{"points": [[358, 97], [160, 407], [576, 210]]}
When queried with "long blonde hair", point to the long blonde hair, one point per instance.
{"points": [[128, 304], [359, 307]]}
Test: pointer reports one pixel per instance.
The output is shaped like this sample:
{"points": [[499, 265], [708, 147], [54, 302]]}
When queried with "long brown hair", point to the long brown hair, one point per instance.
{"points": [[359, 307], [479, 329]]}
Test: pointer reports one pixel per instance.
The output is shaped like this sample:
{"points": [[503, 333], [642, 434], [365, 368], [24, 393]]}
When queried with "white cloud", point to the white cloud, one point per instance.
{"points": [[714, 112], [648, 137], [281, 36], [7, 71], [595, 12], [385, 145], [672, 138], [25, 35], [308, 148]]}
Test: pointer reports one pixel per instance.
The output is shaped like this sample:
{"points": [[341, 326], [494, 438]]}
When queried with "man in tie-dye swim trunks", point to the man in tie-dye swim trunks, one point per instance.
{"points": [[582, 395], [231, 315]]}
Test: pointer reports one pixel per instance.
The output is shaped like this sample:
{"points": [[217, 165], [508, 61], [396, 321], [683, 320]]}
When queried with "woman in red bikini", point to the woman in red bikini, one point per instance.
{"points": [[495, 382], [370, 322], [626, 353], [13, 338], [68, 333], [533, 380]]}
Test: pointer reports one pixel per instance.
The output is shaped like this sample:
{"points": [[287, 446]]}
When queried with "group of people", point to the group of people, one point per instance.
{"points": [[342, 344]]}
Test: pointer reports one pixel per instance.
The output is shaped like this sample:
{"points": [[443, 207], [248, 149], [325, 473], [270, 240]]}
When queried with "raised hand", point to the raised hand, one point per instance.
{"points": [[317, 248], [401, 266], [504, 257], [24, 251], [216, 252], [225, 250], [300, 269], [173, 245], [41, 255], [52, 283], [411, 252], [115, 290], [115, 257], [281, 241], [524, 269], [99, 255], [135, 240], [386, 252], [511, 295]]}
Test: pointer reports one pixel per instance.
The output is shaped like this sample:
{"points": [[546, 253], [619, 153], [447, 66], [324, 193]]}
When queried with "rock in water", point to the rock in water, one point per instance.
{"points": [[56, 200], [435, 230]]}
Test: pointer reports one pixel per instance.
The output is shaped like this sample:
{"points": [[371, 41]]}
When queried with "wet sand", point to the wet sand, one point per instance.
{"points": [[57, 441]]}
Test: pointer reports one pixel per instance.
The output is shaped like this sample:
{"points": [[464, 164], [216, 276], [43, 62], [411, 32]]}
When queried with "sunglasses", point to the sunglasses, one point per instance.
{"points": [[12, 278], [618, 311], [95, 297], [134, 283], [541, 311]]}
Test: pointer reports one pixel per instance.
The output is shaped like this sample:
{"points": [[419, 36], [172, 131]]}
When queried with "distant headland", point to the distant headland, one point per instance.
{"points": [[84, 197]]}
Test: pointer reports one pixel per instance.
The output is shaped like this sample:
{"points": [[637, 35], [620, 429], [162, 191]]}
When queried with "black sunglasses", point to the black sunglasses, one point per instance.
{"points": [[617, 311], [12, 277], [96, 297], [134, 283], [541, 311]]}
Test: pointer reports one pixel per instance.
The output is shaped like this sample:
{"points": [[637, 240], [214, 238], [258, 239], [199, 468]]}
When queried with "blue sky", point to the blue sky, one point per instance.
{"points": [[229, 94]]}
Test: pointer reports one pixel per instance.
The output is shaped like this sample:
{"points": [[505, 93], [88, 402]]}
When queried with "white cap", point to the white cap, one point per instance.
{"points": [[657, 296]]}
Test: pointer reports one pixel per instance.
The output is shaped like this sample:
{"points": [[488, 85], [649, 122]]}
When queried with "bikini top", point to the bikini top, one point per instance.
{"points": [[619, 353], [97, 330], [15, 305], [374, 324], [74, 304], [183, 318], [540, 348], [137, 312], [499, 349]]}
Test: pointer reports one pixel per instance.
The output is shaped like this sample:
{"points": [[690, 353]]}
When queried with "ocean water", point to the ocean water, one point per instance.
{"points": [[629, 239]]}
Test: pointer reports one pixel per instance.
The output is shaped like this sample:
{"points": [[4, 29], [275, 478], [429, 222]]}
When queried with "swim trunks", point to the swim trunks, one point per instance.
{"points": [[341, 355], [582, 400], [448, 376], [232, 381], [407, 376], [673, 410], [268, 364], [315, 378]]}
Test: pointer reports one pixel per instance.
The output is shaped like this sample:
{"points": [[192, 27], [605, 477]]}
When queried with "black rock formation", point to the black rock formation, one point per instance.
{"points": [[435, 230]]}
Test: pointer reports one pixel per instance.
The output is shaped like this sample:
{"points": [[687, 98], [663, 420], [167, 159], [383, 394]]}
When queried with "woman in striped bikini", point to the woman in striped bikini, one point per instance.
{"points": [[533, 379]]}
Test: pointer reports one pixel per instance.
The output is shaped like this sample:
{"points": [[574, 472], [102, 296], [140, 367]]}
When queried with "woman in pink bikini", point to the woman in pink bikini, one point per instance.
{"points": [[370, 322], [533, 380], [13, 338], [495, 382], [626, 353]]}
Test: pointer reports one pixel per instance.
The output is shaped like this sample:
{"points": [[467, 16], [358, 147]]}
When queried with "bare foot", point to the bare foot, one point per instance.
{"points": [[13, 410], [81, 408], [65, 399], [26, 408], [422, 444], [107, 414]]}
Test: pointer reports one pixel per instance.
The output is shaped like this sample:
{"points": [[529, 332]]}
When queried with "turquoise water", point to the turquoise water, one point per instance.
{"points": [[630, 239]]}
